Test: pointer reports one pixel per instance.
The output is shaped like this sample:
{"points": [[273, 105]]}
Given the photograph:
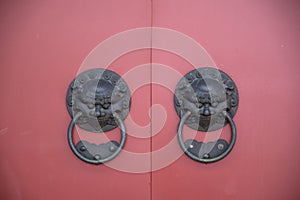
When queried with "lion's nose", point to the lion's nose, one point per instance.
{"points": [[206, 110], [98, 112]]}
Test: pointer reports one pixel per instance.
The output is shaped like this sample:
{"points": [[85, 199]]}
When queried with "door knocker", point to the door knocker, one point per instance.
{"points": [[206, 99], [98, 100]]}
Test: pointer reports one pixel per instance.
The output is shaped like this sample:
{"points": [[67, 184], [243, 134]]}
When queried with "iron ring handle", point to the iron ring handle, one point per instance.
{"points": [[100, 161], [206, 160]]}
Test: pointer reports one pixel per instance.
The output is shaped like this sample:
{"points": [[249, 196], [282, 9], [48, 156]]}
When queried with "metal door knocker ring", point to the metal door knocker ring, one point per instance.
{"points": [[206, 157], [98, 100], [206, 99]]}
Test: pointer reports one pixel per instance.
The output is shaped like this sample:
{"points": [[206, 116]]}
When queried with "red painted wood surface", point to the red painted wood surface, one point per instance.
{"points": [[43, 45], [257, 44]]}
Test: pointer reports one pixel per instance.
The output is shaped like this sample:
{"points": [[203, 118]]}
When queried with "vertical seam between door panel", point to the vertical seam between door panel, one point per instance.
{"points": [[151, 24]]}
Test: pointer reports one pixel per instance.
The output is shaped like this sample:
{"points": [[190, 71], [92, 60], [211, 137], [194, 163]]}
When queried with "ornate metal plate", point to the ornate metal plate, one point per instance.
{"points": [[206, 93], [206, 150], [96, 152], [97, 94]]}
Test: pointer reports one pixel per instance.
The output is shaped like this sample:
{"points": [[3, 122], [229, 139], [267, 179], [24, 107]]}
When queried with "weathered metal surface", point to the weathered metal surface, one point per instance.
{"points": [[206, 93], [97, 94]]}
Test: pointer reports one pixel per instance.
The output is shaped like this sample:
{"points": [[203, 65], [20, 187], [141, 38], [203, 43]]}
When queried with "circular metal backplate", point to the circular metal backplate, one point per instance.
{"points": [[97, 94], [206, 93]]}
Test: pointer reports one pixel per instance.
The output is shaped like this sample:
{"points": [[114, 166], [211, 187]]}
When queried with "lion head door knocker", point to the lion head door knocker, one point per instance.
{"points": [[206, 99], [98, 100]]}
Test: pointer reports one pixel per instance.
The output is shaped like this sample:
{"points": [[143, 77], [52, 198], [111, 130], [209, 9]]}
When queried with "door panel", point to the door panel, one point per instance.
{"points": [[256, 43], [43, 45], [46, 43]]}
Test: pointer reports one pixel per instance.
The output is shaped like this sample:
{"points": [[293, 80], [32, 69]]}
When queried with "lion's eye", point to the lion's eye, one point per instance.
{"points": [[106, 105], [214, 104], [91, 106], [199, 105]]}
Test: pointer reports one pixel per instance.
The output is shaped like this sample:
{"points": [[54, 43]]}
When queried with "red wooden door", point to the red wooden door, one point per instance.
{"points": [[257, 44], [45, 44]]}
